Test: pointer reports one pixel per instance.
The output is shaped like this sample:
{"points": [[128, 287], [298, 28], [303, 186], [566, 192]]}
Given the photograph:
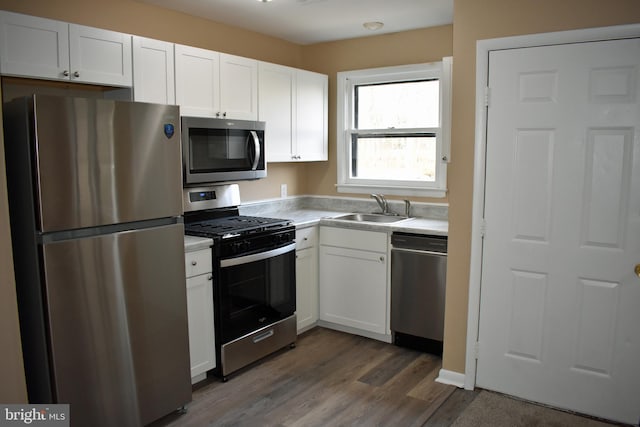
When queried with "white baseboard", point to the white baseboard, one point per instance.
{"points": [[451, 378]]}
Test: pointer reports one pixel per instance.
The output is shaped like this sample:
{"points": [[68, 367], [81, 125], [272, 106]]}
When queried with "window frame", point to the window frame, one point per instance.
{"points": [[346, 81]]}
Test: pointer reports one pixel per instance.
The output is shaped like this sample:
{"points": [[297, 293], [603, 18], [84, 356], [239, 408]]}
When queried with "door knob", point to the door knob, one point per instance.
{"points": [[637, 270]]}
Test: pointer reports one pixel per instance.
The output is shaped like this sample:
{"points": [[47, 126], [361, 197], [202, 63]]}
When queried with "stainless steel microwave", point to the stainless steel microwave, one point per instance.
{"points": [[219, 150]]}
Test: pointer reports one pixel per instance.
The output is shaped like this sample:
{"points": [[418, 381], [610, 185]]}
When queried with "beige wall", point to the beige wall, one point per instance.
{"points": [[476, 20]]}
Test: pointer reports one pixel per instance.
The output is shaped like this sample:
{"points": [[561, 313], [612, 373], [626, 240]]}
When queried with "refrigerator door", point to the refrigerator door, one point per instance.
{"points": [[118, 325], [101, 162]]}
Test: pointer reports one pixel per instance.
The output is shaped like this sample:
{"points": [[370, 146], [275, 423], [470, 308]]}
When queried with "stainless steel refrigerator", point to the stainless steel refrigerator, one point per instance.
{"points": [[96, 221]]}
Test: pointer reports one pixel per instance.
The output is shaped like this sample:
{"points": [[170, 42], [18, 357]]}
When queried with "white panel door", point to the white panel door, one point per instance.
{"points": [[560, 301], [34, 47], [197, 81], [200, 316], [100, 56], [276, 107], [153, 71], [353, 289], [306, 287], [311, 116], [238, 87]]}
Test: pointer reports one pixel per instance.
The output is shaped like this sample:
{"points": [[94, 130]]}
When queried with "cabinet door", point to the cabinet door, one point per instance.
{"points": [[311, 116], [306, 287], [100, 56], [353, 288], [238, 87], [200, 316], [197, 81], [34, 47], [276, 107], [153, 71]]}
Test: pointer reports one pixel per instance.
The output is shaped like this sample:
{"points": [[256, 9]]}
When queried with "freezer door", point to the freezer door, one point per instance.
{"points": [[101, 162], [118, 325]]}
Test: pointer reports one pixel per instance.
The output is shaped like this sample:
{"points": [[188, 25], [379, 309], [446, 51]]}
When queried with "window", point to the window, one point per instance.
{"points": [[393, 129]]}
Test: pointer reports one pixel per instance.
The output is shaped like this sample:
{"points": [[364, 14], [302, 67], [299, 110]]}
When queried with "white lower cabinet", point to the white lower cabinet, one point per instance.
{"points": [[200, 313], [353, 281], [306, 278]]}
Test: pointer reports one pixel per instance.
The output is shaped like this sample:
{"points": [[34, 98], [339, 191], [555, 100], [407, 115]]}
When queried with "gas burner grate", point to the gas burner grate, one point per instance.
{"points": [[233, 226]]}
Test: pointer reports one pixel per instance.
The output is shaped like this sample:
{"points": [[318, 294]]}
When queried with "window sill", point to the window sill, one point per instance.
{"points": [[391, 190]]}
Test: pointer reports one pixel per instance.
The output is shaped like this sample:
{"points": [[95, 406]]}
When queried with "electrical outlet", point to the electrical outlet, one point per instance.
{"points": [[283, 190]]}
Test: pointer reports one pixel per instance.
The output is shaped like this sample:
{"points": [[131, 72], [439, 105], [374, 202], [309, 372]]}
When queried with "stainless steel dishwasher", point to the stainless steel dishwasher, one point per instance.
{"points": [[418, 280]]}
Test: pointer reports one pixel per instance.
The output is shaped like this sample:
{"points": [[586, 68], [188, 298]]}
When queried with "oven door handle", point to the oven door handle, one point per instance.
{"points": [[229, 262]]}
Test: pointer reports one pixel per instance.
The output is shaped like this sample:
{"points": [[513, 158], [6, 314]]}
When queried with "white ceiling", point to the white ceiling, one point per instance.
{"points": [[314, 21]]}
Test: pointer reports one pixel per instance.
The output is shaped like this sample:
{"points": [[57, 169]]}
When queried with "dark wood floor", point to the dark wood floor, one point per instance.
{"points": [[330, 378]]}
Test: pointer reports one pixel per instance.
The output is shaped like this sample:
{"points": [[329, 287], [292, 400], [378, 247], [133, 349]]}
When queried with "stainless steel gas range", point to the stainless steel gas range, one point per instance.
{"points": [[254, 287]]}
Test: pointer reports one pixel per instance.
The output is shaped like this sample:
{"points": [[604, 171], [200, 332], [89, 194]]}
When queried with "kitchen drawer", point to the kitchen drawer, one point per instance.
{"points": [[306, 238], [198, 262]]}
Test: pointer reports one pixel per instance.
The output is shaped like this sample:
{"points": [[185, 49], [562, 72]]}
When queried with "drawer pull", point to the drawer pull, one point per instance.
{"points": [[263, 336], [194, 262]]}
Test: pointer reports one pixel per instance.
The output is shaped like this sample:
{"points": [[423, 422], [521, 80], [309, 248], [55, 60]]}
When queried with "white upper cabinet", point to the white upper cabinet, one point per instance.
{"points": [[213, 84], [197, 80], [49, 49], [238, 87], [276, 96], [311, 139], [34, 47], [293, 103], [153, 71], [100, 56]]}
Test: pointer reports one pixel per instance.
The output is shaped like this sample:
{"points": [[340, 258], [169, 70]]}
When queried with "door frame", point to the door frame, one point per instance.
{"points": [[483, 48]]}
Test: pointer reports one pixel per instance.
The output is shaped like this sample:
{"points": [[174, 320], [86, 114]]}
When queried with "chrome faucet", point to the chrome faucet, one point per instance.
{"points": [[382, 202], [407, 208]]}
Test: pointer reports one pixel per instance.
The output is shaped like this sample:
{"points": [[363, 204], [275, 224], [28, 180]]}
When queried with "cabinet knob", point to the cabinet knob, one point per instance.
{"points": [[65, 73], [76, 74], [218, 114], [210, 277], [194, 262], [224, 114], [381, 259], [305, 239]]}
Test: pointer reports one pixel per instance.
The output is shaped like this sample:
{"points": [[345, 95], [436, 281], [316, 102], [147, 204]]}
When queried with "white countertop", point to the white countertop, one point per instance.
{"points": [[193, 243], [308, 217]]}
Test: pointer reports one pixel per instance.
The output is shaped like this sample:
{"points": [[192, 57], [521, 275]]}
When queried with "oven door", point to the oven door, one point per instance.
{"points": [[254, 291]]}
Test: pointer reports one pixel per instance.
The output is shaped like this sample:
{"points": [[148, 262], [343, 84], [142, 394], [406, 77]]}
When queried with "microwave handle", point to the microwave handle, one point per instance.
{"points": [[256, 145]]}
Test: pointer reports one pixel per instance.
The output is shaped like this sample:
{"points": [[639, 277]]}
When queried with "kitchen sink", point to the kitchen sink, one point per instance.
{"points": [[364, 217]]}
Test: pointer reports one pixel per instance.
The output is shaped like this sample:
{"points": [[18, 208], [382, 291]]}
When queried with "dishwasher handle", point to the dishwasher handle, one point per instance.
{"points": [[419, 251]]}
